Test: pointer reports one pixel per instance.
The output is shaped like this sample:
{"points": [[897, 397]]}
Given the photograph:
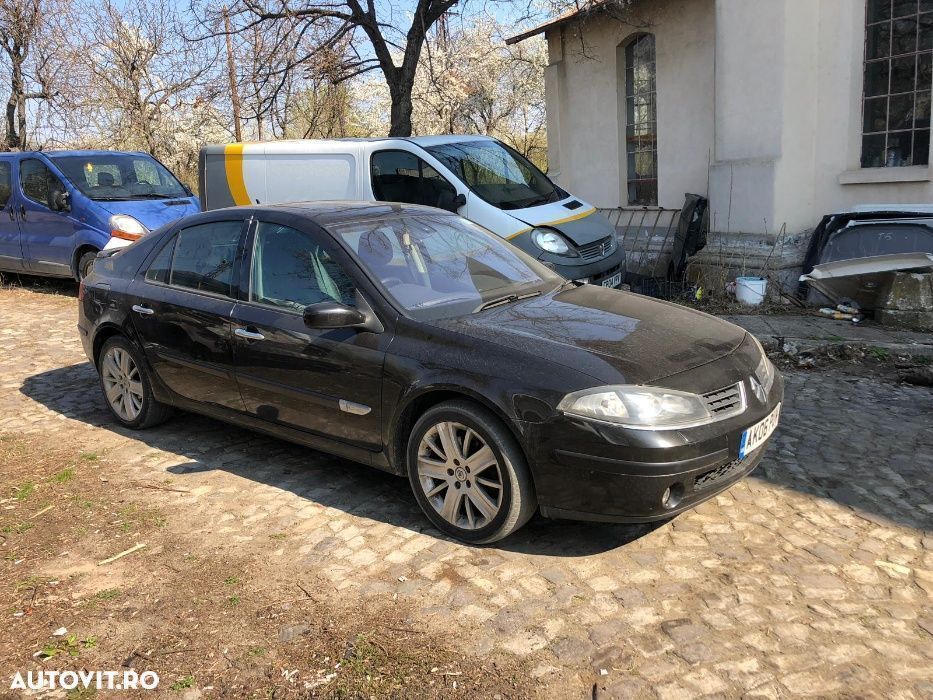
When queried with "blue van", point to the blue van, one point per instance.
{"points": [[58, 209]]}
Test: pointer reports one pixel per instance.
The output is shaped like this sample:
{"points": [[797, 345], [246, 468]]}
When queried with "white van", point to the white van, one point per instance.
{"points": [[478, 177]]}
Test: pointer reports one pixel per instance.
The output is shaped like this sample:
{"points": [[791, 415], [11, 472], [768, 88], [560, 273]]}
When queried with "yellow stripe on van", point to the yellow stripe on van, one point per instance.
{"points": [[233, 165], [582, 215]]}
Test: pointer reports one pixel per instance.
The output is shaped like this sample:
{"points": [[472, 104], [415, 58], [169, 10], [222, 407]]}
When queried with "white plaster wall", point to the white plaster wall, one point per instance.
{"points": [[587, 157]]}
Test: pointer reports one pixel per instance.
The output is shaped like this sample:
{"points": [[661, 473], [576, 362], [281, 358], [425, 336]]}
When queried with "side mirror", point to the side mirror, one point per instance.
{"points": [[60, 201], [330, 314], [450, 202]]}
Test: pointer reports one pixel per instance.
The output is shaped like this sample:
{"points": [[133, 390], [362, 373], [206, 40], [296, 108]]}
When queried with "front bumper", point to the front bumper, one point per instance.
{"points": [[587, 470]]}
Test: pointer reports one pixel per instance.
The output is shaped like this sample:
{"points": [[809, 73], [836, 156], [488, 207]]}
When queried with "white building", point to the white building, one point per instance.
{"points": [[779, 111]]}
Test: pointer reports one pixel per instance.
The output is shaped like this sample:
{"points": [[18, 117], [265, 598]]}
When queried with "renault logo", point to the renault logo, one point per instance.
{"points": [[757, 389]]}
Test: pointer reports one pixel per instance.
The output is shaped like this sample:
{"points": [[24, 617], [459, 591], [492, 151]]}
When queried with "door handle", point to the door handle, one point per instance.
{"points": [[144, 310], [22, 211], [248, 334]]}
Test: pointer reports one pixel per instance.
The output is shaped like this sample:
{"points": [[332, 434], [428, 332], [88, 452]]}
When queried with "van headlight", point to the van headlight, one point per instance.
{"points": [[126, 227], [551, 241], [641, 407], [765, 370]]}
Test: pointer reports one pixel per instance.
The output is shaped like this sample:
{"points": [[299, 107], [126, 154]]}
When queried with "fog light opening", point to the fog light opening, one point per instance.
{"points": [[672, 495]]}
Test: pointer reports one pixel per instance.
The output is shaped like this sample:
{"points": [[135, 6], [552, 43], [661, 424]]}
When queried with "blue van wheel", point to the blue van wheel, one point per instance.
{"points": [[86, 264]]}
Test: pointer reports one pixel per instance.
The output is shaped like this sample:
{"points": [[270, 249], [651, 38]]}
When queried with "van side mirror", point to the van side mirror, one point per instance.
{"points": [[450, 202], [331, 314]]}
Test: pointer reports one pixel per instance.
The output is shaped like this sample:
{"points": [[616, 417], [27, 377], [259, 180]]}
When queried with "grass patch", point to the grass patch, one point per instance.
{"points": [[89, 457], [182, 683], [64, 476], [25, 491], [17, 529]]}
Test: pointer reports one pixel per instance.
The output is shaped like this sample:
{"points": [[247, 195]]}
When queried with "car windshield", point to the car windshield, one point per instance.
{"points": [[498, 174], [120, 176], [437, 266]]}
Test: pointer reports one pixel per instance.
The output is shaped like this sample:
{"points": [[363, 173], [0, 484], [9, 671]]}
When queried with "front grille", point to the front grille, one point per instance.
{"points": [[597, 249], [707, 479], [726, 402]]}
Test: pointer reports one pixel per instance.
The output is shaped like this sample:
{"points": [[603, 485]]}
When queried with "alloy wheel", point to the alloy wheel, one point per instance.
{"points": [[460, 475], [122, 383]]}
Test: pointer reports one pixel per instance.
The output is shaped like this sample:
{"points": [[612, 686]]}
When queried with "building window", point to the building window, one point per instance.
{"points": [[641, 122], [898, 78]]}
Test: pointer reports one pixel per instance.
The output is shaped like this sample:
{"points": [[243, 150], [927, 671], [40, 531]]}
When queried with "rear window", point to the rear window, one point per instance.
{"points": [[201, 258]]}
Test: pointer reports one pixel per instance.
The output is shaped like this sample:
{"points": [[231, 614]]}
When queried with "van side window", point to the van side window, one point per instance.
{"points": [[6, 182], [38, 182], [399, 176], [204, 256]]}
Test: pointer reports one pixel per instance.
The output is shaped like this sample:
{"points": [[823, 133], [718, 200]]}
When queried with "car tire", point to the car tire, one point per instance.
{"points": [[86, 264], [124, 381], [471, 493]]}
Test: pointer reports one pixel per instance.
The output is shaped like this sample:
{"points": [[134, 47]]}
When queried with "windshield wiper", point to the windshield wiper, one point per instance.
{"points": [[506, 299]]}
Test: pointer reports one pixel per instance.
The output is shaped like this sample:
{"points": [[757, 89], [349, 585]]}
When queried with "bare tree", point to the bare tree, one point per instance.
{"points": [[28, 57], [148, 87], [396, 46]]}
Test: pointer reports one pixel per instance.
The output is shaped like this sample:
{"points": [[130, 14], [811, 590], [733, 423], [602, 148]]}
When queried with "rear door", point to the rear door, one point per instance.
{"points": [[47, 235], [11, 249], [327, 382], [182, 307]]}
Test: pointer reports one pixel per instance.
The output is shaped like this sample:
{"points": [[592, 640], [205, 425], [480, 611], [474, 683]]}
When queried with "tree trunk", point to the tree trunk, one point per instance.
{"points": [[401, 114], [15, 122]]}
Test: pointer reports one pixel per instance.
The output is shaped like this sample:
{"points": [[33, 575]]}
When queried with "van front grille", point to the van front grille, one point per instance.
{"points": [[597, 249]]}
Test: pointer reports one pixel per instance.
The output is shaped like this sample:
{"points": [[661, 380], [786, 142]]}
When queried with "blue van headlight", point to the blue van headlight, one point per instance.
{"points": [[126, 227], [550, 241]]}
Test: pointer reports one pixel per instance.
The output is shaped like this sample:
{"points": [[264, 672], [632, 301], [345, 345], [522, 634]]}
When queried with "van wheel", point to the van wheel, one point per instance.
{"points": [[86, 264], [126, 386], [468, 473]]}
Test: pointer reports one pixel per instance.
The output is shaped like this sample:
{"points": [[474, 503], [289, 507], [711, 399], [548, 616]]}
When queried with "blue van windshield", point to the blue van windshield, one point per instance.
{"points": [[120, 176]]}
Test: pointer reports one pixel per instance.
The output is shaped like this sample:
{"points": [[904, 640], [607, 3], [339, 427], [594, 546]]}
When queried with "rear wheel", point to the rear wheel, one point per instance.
{"points": [[126, 386], [86, 264], [468, 473]]}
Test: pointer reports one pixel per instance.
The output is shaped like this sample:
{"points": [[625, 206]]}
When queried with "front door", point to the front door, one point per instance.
{"points": [[47, 235], [181, 312], [11, 249], [328, 382]]}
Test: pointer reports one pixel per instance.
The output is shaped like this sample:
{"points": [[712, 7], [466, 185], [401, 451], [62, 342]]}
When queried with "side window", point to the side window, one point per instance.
{"points": [[399, 176], [395, 177], [290, 270], [38, 182], [161, 267], [6, 182], [204, 256]]}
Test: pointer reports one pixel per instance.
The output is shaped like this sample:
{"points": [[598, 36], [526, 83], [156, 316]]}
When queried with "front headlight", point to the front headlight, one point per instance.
{"points": [[126, 227], [764, 372], [551, 241], [642, 407]]}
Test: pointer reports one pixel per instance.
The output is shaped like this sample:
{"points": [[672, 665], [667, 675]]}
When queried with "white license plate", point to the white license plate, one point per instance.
{"points": [[613, 281], [754, 437]]}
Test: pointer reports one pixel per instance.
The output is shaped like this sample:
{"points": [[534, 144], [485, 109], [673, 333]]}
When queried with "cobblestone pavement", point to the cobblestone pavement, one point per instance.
{"points": [[815, 576]]}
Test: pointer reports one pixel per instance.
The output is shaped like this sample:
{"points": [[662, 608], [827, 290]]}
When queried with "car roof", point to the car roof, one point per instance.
{"points": [[325, 213], [80, 153]]}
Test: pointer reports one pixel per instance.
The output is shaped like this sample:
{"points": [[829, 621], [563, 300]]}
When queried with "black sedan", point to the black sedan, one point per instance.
{"points": [[414, 341]]}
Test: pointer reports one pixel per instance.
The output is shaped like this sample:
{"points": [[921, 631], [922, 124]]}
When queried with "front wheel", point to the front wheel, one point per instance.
{"points": [[468, 473], [126, 386], [86, 264]]}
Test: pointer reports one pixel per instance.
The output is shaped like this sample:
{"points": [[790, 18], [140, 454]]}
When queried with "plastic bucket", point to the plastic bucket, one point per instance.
{"points": [[751, 290]]}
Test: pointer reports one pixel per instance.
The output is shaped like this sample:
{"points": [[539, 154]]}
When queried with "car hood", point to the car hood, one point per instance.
{"points": [[615, 337], [153, 213], [581, 225]]}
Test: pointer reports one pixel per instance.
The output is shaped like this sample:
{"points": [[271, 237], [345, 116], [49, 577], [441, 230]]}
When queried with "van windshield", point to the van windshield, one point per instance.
{"points": [[498, 174], [440, 266], [120, 176]]}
